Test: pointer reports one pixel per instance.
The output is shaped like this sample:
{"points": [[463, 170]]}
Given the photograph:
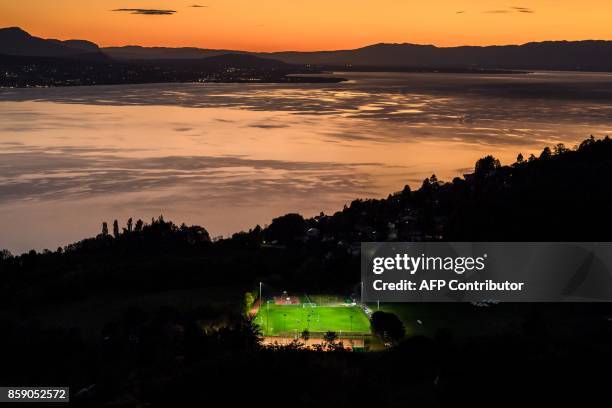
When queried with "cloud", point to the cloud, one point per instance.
{"points": [[523, 9], [514, 9], [148, 12], [197, 6], [497, 11]]}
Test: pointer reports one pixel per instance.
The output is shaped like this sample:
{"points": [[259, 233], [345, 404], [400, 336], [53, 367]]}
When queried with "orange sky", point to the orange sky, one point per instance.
{"points": [[270, 25]]}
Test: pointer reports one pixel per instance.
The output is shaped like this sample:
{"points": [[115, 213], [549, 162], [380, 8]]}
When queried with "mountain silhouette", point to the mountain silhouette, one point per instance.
{"points": [[562, 55], [586, 55], [15, 41], [223, 61], [136, 52], [567, 55]]}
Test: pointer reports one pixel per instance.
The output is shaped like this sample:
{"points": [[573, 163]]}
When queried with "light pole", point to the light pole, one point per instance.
{"points": [[260, 298], [362, 293]]}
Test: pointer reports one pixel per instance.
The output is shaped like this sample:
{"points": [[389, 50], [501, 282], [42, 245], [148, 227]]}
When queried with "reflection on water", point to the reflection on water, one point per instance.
{"points": [[228, 156]]}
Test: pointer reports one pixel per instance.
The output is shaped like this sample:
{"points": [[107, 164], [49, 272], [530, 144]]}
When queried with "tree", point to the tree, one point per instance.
{"points": [[520, 158], [115, 229], [430, 184], [139, 225], [330, 337], [560, 149], [387, 326], [546, 153], [486, 166], [286, 228], [249, 300], [104, 229], [305, 335], [587, 143], [195, 234], [129, 224], [5, 254]]}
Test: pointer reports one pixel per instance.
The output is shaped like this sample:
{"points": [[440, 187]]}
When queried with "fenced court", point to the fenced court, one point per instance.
{"points": [[290, 320]]}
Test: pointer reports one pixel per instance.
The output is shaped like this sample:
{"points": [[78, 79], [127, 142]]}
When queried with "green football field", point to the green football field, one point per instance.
{"points": [[275, 320]]}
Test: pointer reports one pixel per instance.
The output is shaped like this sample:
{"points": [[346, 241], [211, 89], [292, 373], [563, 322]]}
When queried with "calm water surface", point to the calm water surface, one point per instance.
{"points": [[229, 156]]}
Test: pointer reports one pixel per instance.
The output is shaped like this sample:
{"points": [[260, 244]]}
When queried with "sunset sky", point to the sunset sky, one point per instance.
{"points": [[271, 25]]}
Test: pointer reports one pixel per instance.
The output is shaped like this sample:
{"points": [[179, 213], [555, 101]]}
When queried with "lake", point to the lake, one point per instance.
{"points": [[230, 156]]}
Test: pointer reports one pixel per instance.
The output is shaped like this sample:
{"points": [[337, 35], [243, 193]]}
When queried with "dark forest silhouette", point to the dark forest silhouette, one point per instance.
{"points": [[169, 356]]}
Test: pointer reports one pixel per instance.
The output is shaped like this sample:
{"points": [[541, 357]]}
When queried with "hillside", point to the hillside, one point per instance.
{"points": [[15, 41], [134, 52], [553, 55], [565, 55], [29, 71], [221, 62], [151, 315]]}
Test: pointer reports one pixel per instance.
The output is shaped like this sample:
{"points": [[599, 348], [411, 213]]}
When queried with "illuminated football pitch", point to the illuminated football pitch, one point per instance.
{"points": [[277, 320]]}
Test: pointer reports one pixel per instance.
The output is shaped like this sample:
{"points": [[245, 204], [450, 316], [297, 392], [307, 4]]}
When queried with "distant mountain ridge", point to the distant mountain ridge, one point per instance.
{"points": [[220, 61], [17, 42], [585, 55], [564, 55], [136, 52], [578, 55]]}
